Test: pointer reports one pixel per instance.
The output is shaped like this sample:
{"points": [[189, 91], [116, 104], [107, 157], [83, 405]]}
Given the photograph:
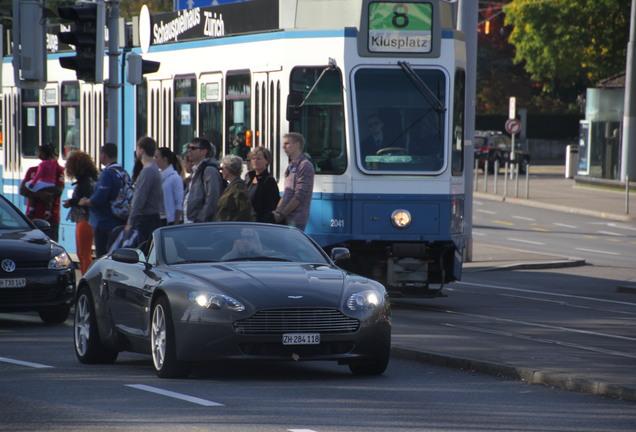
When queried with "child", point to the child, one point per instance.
{"points": [[45, 176]]}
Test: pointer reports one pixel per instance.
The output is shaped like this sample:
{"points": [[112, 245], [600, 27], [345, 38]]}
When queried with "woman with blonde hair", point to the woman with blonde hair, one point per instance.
{"points": [[80, 166]]}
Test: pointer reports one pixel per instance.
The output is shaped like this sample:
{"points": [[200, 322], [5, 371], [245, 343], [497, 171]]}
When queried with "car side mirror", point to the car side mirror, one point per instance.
{"points": [[340, 254], [126, 255], [43, 226]]}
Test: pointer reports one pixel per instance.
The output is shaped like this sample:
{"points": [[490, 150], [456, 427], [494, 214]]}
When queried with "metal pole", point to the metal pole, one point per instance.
{"points": [[113, 76], [626, 194], [527, 181], [507, 166], [486, 176], [628, 164], [516, 171], [496, 176]]}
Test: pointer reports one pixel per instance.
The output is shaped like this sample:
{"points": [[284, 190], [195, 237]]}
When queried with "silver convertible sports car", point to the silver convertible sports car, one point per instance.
{"points": [[214, 291]]}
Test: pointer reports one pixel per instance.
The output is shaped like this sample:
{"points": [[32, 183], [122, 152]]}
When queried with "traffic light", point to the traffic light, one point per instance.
{"points": [[87, 35], [138, 67], [29, 43]]}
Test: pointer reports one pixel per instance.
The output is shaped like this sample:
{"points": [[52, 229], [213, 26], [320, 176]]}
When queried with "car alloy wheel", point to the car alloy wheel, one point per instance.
{"points": [[163, 343], [88, 346]]}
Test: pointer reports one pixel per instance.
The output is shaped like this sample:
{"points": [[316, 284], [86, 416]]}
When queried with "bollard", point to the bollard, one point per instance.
{"points": [[507, 166], [516, 172], [486, 176], [626, 194], [527, 181], [476, 175], [496, 176]]}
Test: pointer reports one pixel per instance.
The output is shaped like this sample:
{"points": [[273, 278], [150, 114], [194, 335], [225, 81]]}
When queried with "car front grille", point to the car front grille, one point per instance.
{"points": [[297, 320], [27, 295]]}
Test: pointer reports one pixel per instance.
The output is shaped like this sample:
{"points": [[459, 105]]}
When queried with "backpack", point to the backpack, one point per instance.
{"points": [[206, 163], [120, 206]]}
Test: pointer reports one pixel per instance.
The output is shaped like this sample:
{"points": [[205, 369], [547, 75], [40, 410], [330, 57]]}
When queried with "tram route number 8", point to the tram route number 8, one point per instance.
{"points": [[400, 16]]}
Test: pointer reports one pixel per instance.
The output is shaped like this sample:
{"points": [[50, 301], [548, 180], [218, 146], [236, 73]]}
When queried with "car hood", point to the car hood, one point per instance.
{"points": [[25, 245], [276, 284]]}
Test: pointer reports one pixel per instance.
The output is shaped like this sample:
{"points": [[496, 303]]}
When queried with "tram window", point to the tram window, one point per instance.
{"points": [[398, 128], [70, 123], [237, 113], [210, 124], [321, 118], [457, 159], [30, 123], [185, 111]]}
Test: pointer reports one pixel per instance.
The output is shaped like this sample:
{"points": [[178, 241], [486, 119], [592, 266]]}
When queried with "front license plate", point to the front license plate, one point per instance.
{"points": [[13, 283], [301, 338]]}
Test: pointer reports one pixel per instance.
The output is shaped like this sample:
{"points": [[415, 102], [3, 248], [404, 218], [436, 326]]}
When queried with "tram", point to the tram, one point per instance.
{"points": [[244, 74]]}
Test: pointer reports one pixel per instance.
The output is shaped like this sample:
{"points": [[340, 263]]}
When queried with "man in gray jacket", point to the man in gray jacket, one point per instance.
{"points": [[206, 184]]}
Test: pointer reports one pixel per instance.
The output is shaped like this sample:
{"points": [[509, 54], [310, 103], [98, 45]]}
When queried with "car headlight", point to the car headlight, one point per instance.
{"points": [[401, 218], [215, 301], [368, 299], [60, 261]]}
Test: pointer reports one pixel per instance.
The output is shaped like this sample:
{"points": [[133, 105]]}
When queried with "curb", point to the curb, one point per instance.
{"points": [[550, 378], [555, 207]]}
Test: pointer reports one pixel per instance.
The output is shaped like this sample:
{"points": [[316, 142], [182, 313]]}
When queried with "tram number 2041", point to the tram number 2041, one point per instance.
{"points": [[337, 223]]}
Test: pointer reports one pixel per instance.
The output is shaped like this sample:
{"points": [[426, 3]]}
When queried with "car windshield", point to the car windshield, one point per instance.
{"points": [[196, 243], [10, 219]]}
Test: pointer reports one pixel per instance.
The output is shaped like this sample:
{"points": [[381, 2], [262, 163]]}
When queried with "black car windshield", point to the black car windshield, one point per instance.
{"points": [[400, 128], [10, 219], [226, 242]]}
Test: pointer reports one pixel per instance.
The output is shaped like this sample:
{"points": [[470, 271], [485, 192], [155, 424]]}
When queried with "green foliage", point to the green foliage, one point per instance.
{"points": [[569, 43], [131, 8]]}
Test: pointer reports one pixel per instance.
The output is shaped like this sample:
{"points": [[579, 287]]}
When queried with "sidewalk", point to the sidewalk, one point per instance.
{"points": [[547, 188]]}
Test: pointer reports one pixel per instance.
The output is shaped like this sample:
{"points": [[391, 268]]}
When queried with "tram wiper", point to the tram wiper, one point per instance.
{"points": [[421, 86], [293, 99]]}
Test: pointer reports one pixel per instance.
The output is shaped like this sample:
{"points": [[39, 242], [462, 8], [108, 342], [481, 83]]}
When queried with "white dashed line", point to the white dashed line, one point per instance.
{"points": [[526, 241], [597, 251], [174, 395], [24, 363]]}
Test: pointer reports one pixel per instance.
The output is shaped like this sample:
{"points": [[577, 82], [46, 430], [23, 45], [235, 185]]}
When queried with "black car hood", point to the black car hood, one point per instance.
{"points": [[277, 284], [25, 245]]}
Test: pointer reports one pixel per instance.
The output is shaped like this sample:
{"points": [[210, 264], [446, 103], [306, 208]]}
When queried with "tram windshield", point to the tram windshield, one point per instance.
{"points": [[400, 125]]}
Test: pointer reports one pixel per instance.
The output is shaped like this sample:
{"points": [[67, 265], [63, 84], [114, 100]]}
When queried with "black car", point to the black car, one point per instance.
{"points": [[494, 146], [231, 291], [36, 273]]}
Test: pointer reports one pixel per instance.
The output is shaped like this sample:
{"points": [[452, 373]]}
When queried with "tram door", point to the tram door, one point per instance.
{"points": [[269, 113], [91, 118], [11, 160], [210, 98], [160, 103]]}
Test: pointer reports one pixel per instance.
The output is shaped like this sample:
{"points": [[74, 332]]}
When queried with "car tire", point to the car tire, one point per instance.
{"points": [[163, 343], [374, 366], [55, 316], [88, 347]]}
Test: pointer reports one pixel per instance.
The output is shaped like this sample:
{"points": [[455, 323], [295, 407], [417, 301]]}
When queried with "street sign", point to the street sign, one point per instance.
{"points": [[513, 126]]}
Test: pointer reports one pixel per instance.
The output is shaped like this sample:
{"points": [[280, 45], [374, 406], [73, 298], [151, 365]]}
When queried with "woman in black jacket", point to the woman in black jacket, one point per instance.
{"points": [[262, 186]]}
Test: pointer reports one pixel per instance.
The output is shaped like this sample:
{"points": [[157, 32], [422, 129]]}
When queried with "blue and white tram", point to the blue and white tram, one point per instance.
{"points": [[244, 74]]}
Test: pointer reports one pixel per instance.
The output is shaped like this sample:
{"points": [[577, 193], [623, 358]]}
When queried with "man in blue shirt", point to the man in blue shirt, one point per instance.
{"points": [[101, 218]]}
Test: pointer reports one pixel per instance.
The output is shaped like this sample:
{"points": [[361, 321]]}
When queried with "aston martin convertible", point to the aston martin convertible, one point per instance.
{"points": [[225, 291]]}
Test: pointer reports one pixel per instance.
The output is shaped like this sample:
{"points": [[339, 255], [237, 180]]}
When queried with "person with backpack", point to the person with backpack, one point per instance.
{"points": [[147, 202], [111, 180], [206, 185]]}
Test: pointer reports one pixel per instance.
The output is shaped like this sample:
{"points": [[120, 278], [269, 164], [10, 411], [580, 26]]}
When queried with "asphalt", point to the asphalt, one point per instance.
{"points": [[545, 187]]}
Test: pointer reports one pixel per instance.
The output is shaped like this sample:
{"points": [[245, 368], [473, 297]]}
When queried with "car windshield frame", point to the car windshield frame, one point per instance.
{"points": [[12, 219], [236, 242]]}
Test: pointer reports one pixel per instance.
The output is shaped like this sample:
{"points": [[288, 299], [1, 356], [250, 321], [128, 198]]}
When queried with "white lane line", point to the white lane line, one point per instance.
{"points": [[486, 211], [620, 226], [24, 363], [175, 395], [597, 251], [300, 430], [523, 218], [610, 233], [525, 241], [564, 225]]}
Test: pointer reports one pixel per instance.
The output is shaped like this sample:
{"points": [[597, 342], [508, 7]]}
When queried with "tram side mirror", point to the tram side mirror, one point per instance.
{"points": [[294, 102]]}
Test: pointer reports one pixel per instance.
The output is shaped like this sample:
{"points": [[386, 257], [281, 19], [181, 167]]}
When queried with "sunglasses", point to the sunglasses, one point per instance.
{"points": [[194, 148]]}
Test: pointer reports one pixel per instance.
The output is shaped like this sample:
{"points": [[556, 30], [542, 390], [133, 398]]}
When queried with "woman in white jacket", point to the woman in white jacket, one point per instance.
{"points": [[172, 183]]}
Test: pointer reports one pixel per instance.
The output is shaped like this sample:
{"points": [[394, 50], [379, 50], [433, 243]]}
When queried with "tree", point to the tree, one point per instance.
{"points": [[569, 44]]}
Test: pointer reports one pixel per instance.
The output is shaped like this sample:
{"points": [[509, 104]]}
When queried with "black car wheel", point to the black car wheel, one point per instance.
{"points": [[55, 316], [88, 347], [163, 343]]}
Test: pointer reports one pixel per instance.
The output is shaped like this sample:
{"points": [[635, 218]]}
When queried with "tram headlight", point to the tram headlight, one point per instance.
{"points": [[401, 218]]}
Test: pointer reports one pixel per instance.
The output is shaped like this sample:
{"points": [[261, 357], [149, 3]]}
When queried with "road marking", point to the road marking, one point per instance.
{"points": [[503, 222], [525, 241], [300, 430], [541, 230], [175, 395], [486, 211], [597, 251], [24, 363], [615, 225], [610, 233], [565, 225], [523, 218]]}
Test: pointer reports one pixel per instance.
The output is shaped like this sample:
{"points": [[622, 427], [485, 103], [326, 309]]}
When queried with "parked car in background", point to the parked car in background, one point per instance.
{"points": [[495, 146], [36, 273], [233, 291]]}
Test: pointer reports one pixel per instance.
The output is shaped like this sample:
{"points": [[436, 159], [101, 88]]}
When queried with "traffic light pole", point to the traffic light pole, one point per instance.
{"points": [[113, 83]]}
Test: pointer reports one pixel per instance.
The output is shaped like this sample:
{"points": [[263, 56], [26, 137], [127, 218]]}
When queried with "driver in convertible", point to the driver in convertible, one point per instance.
{"points": [[247, 245]]}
